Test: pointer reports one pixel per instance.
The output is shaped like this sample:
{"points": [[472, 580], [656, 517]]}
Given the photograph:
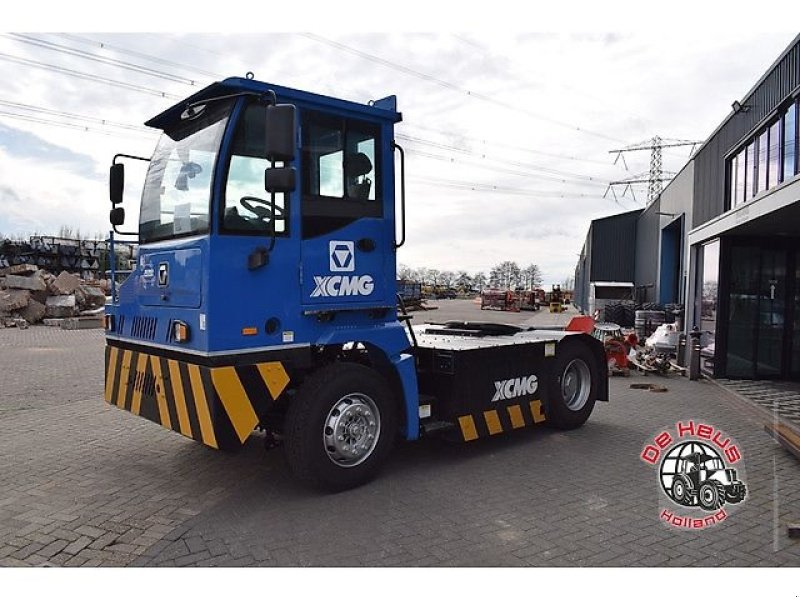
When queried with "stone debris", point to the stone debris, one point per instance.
{"points": [[11, 300], [60, 307], [23, 269], [34, 312], [29, 295], [65, 283], [33, 282]]}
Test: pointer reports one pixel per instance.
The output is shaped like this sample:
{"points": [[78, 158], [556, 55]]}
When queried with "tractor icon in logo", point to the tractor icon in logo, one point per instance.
{"points": [[342, 257], [693, 473]]}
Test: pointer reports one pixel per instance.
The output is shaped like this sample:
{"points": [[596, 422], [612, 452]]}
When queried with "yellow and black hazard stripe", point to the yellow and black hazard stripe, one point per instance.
{"points": [[218, 406], [500, 419]]}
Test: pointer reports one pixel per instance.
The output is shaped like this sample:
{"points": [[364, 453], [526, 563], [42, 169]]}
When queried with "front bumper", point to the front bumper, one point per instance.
{"points": [[218, 406]]}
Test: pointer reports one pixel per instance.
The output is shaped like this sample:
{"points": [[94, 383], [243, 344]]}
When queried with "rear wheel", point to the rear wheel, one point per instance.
{"points": [[573, 392], [340, 427], [680, 492]]}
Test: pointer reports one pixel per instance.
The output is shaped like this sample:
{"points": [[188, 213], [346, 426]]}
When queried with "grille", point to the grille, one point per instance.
{"points": [[144, 327], [145, 383]]}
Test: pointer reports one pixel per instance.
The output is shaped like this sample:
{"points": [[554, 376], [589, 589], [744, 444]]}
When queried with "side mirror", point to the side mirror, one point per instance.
{"points": [[281, 141], [116, 182], [117, 216], [280, 180]]}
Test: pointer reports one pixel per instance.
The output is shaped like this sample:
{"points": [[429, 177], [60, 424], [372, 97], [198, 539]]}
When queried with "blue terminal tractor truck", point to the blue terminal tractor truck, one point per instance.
{"points": [[263, 296]]}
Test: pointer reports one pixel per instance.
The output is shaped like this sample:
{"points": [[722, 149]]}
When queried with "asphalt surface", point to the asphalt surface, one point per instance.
{"points": [[84, 483]]}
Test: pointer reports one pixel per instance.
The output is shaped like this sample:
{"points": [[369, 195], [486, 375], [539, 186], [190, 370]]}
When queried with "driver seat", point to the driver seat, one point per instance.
{"points": [[356, 166]]}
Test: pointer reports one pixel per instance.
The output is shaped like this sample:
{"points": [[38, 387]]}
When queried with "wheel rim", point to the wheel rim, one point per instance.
{"points": [[576, 382], [708, 496], [678, 491], [352, 430]]}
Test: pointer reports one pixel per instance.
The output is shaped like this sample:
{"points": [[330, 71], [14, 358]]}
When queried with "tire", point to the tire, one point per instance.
{"points": [[680, 491], [711, 495], [735, 497], [572, 400], [358, 402]]}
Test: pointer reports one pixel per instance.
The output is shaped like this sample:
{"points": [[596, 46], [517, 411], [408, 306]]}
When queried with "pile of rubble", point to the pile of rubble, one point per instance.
{"points": [[29, 295]]}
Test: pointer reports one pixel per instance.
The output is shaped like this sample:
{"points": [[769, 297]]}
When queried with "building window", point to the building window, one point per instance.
{"points": [[761, 162], [740, 179], [709, 287], [774, 158], [752, 171], [790, 143], [769, 158]]}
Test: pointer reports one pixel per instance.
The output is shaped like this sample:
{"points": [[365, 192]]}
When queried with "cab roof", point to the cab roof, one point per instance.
{"points": [[384, 109]]}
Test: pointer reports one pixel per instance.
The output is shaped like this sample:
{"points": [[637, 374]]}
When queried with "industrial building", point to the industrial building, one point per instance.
{"points": [[723, 238]]}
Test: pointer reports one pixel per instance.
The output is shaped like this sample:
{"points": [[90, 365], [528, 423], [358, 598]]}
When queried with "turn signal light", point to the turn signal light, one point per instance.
{"points": [[109, 322], [180, 332]]}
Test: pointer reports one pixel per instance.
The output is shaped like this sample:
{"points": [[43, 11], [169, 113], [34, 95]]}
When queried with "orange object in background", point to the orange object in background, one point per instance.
{"points": [[582, 323]]}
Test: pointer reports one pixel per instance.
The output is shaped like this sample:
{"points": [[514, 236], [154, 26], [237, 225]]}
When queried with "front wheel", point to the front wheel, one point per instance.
{"points": [[711, 495], [573, 392], [340, 427]]}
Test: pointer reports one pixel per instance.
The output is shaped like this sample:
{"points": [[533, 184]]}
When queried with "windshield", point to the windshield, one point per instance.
{"points": [[713, 463], [177, 190]]}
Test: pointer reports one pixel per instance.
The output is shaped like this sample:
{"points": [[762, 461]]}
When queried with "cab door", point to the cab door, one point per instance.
{"points": [[347, 244]]}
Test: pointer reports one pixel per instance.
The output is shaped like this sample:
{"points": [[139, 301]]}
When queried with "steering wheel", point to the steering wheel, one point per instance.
{"points": [[261, 208]]}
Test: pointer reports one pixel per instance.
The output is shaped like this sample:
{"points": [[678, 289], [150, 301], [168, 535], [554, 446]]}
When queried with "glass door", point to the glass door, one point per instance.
{"points": [[743, 311], [771, 314], [794, 372]]}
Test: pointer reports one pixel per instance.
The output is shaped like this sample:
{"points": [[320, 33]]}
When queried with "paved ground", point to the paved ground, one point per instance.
{"points": [[83, 483]]}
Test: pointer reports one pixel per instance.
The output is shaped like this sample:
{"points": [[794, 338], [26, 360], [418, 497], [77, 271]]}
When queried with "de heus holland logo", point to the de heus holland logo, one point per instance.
{"points": [[514, 388], [342, 260], [696, 475]]}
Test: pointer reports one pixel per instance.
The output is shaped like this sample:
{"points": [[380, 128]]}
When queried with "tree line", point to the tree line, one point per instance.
{"points": [[505, 275]]}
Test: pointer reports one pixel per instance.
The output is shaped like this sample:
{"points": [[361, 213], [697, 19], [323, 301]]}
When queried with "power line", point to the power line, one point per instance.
{"points": [[450, 86], [86, 128], [149, 57], [60, 48], [86, 76], [516, 148], [499, 189], [502, 170], [501, 160], [59, 113]]}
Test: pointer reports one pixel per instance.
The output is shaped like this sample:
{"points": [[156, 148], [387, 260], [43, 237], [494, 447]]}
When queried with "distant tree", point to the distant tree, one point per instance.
{"points": [[508, 274], [479, 280], [405, 272], [568, 284], [447, 278], [434, 276], [422, 275], [531, 277], [463, 280], [494, 277]]}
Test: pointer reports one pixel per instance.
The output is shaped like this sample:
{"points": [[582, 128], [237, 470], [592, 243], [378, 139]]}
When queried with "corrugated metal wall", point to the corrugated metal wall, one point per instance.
{"points": [[613, 251], [709, 172], [648, 230]]}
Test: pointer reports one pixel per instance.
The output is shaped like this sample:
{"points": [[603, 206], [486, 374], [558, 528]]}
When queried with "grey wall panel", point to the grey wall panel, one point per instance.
{"points": [[646, 258], [613, 247]]}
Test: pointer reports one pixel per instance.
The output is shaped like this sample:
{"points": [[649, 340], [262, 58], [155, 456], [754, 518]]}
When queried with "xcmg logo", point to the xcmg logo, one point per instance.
{"points": [[342, 285], [514, 388]]}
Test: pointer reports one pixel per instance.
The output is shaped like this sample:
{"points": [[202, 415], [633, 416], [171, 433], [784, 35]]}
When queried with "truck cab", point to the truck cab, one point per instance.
{"points": [[264, 294]]}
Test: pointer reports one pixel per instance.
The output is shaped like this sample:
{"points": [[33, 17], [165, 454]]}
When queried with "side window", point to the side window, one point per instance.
{"points": [[247, 206], [341, 174]]}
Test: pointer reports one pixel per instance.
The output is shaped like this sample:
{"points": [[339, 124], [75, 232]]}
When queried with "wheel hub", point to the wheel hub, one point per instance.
{"points": [[576, 383], [351, 430]]}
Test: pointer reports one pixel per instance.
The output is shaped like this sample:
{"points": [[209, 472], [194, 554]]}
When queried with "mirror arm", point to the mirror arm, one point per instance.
{"points": [[116, 156], [136, 233]]}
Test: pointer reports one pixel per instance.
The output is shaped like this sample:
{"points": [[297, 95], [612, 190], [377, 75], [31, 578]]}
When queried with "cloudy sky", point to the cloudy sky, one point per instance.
{"points": [[508, 134]]}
